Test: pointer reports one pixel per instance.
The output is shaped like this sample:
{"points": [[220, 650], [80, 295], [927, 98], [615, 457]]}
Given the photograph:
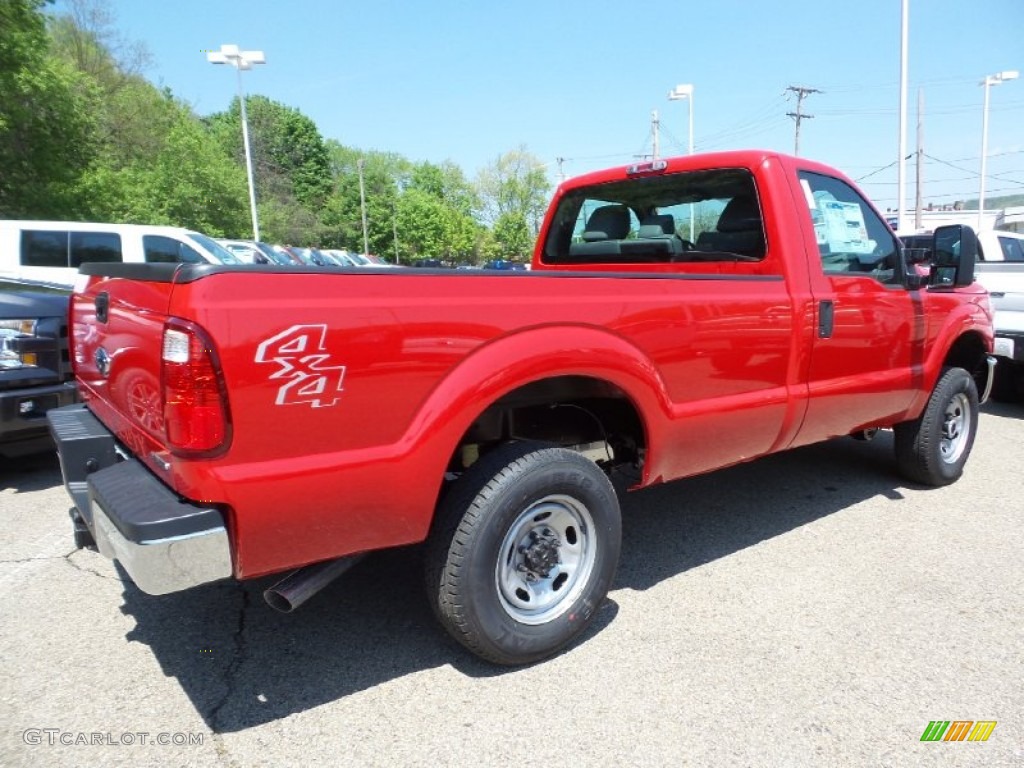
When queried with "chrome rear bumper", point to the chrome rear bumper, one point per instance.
{"points": [[164, 543]]}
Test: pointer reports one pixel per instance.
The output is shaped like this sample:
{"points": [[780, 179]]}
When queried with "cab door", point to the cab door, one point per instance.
{"points": [[867, 353]]}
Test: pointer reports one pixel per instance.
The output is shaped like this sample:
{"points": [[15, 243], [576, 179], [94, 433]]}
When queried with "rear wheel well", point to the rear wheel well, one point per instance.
{"points": [[586, 414]]}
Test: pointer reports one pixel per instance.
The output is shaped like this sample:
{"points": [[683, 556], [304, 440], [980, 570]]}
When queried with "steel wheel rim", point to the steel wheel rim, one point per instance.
{"points": [[956, 428], [547, 595]]}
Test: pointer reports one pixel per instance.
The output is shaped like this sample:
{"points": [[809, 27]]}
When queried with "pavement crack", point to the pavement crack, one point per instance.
{"points": [[17, 561], [83, 569], [231, 670]]}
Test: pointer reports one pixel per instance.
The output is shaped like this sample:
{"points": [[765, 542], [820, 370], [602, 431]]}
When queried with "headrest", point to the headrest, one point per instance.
{"points": [[664, 221], [650, 230], [740, 214], [611, 220]]}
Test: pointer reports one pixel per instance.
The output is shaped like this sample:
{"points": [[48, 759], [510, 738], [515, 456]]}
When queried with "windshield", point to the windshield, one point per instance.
{"points": [[215, 249], [346, 259], [276, 257]]}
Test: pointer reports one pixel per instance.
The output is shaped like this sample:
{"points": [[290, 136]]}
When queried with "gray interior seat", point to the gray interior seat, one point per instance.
{"points": [[739, 229], [606, 226], [656, 239], [657, 225]]}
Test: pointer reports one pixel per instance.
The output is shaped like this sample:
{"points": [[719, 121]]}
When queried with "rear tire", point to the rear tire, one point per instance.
{"points": [[933, 448], [523, 551]]}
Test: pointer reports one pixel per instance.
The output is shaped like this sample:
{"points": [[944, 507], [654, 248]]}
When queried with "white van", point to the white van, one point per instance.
{"points": [[51, 251]]}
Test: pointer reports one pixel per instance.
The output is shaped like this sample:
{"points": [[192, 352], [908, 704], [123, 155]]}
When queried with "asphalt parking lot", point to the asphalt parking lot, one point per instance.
{"points": [[808, 609]]}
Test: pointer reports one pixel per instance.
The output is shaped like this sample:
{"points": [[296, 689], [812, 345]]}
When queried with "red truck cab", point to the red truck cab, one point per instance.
{"points": [[680, 316]]}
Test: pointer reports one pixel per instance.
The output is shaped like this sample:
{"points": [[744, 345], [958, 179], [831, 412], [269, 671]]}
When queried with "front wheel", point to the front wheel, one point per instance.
{"points": [[523, 551], [933, 448]]}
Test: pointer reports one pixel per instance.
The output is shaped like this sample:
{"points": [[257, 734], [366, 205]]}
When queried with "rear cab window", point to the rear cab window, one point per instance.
{"points": [[695, 216]]}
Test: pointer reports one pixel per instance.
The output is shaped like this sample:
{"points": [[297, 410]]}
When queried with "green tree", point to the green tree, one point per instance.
{"points": [[454, 200], [195, 184], [423, 221], [132, 116], [514, 184], [285, 144], [188, 182], [46, 128], [383, 173], [513, 236]]}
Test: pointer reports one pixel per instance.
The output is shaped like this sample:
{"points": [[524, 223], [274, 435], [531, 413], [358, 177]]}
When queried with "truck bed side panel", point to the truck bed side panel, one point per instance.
{"points": [[349, 394]]}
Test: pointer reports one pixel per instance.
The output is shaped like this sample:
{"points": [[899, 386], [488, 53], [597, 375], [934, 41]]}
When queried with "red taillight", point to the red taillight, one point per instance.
{"points": [[195, 404]]}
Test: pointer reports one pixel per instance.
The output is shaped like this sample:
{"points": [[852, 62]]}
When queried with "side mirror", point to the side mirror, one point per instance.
{"points": [[954, 252], [917, 255]]}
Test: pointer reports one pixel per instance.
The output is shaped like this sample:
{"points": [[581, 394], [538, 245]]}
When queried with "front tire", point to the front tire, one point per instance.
{"points": [[933, 449], [523, 551]]}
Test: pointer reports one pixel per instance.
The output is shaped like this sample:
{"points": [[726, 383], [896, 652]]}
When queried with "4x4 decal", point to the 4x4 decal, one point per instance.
{"points": [[300, 353]]}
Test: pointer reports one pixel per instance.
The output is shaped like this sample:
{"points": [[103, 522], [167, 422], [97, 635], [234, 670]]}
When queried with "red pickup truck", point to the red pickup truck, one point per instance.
{"points": [[680, 316]]}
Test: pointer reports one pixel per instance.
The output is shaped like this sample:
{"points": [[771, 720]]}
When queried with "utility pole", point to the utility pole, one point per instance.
{"points": [[561, 173], [919, 198], [654, 132], [362, 205], [394, 229], [801, 93]]}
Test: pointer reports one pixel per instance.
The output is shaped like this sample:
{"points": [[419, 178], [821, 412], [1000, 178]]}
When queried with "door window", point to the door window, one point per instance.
{"points": [[852, 239]]}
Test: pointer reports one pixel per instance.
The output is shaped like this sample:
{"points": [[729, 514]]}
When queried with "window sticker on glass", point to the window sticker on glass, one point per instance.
{"points": [[844, 229]]}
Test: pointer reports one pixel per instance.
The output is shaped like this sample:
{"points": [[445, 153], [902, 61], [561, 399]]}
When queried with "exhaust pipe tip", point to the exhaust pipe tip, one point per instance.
{"points": [[298, 586], [278, 601]]}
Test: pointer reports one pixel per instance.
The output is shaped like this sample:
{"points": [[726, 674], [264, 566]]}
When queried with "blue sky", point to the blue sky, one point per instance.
{"points": [[466, 81]]}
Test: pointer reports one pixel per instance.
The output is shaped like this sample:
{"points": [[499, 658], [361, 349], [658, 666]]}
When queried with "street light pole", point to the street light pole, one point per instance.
{"points": [[362, 205], [901, 172], [990, 80], [685, 91], [230, 54]]}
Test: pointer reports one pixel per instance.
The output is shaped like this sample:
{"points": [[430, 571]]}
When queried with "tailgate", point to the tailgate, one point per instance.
{"points": [[116, 336]]}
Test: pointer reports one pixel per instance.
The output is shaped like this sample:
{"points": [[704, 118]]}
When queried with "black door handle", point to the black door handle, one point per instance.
{"points": [[826, 318]]}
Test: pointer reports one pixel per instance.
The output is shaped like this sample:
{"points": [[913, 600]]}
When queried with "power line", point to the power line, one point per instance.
{"points": [[879, 170], [973, 173]]}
